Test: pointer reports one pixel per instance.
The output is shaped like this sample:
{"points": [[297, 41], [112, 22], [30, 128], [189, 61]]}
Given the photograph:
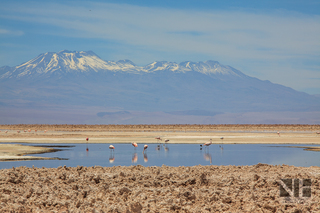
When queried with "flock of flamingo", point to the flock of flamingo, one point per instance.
{"points": [[135, 145]]}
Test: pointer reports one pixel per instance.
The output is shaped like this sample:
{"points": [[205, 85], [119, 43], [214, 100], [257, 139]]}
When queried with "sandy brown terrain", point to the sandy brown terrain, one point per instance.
{"points": [[175, 133], [155, 189]]}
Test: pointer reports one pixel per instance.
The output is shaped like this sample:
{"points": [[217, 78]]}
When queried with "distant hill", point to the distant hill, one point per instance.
{"points": [[119, 90]]}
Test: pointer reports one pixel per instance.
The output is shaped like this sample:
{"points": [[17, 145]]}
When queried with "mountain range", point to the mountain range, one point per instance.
{"points": [[79, 83]]}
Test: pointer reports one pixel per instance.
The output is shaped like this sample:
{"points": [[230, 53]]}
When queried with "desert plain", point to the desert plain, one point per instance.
{"points": [[154, 189]]}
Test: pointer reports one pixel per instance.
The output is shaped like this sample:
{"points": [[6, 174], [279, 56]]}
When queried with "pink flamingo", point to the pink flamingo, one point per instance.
{"points": [[158, 139], [18, 131], [207, 144], [111, 147], [278, 133], [111, 158], [134, 144], [144, 148]]}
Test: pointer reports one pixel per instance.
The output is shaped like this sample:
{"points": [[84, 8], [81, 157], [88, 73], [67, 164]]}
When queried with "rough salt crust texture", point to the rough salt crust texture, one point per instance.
{"points": [[155, 189]]}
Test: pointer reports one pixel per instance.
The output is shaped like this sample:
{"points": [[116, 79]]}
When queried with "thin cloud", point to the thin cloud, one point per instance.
{"points": [[11, 32], [232, 34]]}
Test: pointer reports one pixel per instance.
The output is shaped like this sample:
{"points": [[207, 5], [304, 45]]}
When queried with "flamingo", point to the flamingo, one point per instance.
{"points": [[207, 144], [6, 131], [318, 133], [221, 147], [111, 158], [111, 147], [18, 131], [159, 139], [278, 133], [29, 130], [134, 144], [144, 148], [45, 131], [87, 144]]}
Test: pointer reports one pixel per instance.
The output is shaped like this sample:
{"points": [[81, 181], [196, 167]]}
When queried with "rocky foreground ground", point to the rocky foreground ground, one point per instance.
{"points": [[155, 189]]}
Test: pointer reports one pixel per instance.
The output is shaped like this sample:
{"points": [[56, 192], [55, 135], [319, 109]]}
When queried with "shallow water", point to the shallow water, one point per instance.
{"points": [[173, 155]]}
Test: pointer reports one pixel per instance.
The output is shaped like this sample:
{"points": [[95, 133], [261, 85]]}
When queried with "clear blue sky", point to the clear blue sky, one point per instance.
{"points": [[271, 40]]}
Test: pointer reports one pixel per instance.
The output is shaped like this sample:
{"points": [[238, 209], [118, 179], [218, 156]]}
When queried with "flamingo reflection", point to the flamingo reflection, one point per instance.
{"points": [[166, 148], [134, 158], [207, 157], [111, 158], [145, 157]]}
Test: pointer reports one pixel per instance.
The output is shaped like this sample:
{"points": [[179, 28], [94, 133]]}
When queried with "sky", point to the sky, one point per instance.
{"points": [[270, 40]]}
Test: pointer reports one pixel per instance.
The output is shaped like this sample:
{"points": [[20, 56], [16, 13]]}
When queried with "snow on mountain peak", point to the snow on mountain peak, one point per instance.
{"points": [[67, 61]]}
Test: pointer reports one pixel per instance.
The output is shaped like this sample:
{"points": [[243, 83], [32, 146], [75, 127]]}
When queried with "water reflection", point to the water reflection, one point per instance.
{"points": [[179, 155], [145, 157], [134, 157], [221, 149], [208, 157], [111, 158], [166, 148]]}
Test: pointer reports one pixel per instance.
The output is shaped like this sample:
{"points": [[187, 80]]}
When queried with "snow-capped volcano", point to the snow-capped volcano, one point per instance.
{"points": [[68, 62]]}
